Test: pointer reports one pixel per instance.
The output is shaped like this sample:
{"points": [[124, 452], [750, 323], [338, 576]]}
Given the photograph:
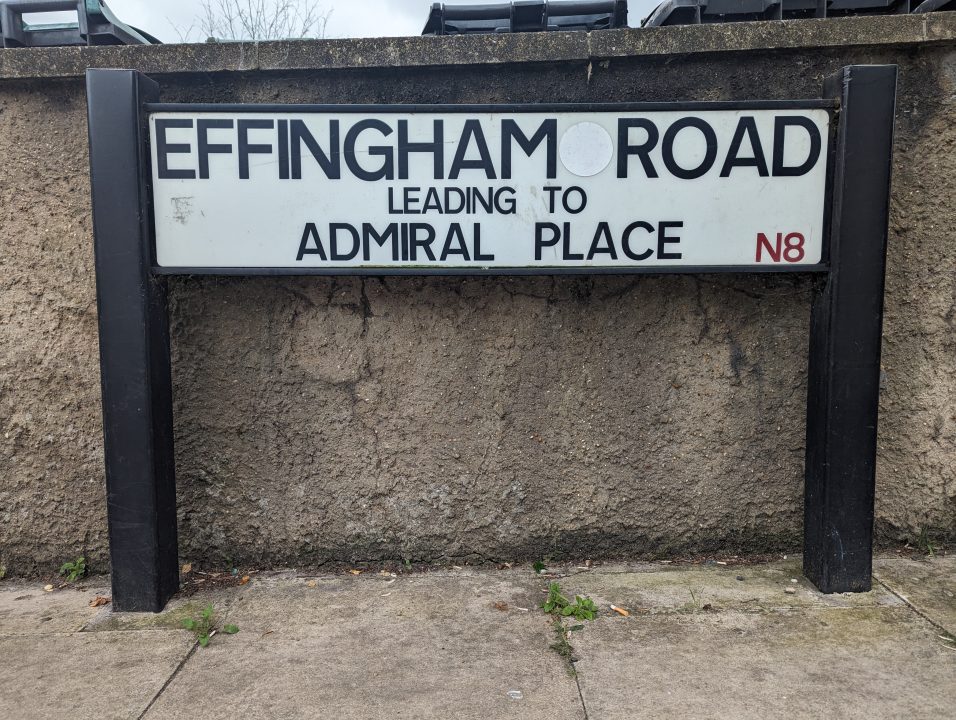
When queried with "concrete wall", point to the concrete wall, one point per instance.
{"points": [[473, 419]]}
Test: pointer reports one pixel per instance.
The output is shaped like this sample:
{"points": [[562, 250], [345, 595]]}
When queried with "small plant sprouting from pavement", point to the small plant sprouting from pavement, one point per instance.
{"points": [[74, 569], [697, 603], [3, 571], [925, 544], [539, 567], [583, 608], [562, 643], [562, 646], [558, 606], [695, 599], [204, 627]]}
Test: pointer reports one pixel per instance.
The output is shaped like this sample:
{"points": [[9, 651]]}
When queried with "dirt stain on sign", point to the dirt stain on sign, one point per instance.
{"points": [[182, 209]]}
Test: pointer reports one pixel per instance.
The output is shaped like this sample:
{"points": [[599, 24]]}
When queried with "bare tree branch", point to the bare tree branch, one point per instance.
{"points": [[256, 20]]}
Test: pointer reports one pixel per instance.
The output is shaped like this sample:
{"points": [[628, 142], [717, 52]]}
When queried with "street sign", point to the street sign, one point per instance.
{"points": [[490, 188], [801, 185]]}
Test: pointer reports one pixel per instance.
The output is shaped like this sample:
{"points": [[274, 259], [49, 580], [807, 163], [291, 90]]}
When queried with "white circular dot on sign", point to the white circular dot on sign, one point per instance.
{"points": [[586, 149]]}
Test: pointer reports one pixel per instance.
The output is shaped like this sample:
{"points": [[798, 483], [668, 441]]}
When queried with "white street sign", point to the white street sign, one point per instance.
{"points": [[490, 189]]}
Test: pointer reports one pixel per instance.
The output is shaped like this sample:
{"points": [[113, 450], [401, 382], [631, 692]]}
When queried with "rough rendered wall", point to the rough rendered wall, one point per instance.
{"points": [[52, 499], [463, 419], [916, 469]]}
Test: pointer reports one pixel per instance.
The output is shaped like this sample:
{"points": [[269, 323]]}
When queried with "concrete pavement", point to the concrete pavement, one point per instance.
{"points": [[703, 641]]}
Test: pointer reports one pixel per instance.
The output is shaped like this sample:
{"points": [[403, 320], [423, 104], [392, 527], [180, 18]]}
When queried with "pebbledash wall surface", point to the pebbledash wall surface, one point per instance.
{"points": [[469, 419]]}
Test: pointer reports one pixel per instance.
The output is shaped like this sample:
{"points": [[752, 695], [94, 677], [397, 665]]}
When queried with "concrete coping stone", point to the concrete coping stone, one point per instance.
{"points": [[416, 52]]}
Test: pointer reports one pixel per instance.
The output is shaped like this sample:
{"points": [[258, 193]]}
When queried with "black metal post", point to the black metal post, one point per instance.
{"points": [[134, 348], [845, 337]]}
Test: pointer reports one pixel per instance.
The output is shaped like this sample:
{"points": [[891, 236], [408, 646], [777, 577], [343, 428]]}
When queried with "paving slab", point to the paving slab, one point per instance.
{"points": [[657, 589], [86, 676], [429, 646], [710, 641], [837, 663], [732, 642], [928, 583], [27, 609]]}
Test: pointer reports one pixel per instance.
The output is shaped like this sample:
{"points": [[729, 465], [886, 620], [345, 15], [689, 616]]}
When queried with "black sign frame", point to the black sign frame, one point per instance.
{"points": [[845, 329]]}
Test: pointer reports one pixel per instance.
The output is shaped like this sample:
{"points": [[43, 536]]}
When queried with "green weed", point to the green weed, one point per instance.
{"points": [[695, 599], [583, 608], [562, 643], [205, 626], [925, 544], [74, 570]]}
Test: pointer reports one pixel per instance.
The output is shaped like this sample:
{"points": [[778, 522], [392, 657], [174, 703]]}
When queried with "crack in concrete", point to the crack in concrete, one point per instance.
{"points": [[912, 606], [577, 683], [229, 602], [574, 668], [169, 680]]}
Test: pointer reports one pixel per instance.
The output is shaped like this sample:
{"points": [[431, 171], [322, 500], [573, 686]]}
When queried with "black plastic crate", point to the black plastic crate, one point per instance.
{"points": [[526, 16], [95, 25], [935, 5], [696, 12]]}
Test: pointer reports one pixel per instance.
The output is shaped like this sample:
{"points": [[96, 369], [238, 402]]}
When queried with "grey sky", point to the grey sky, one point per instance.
{"points": [[350, 18]]}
